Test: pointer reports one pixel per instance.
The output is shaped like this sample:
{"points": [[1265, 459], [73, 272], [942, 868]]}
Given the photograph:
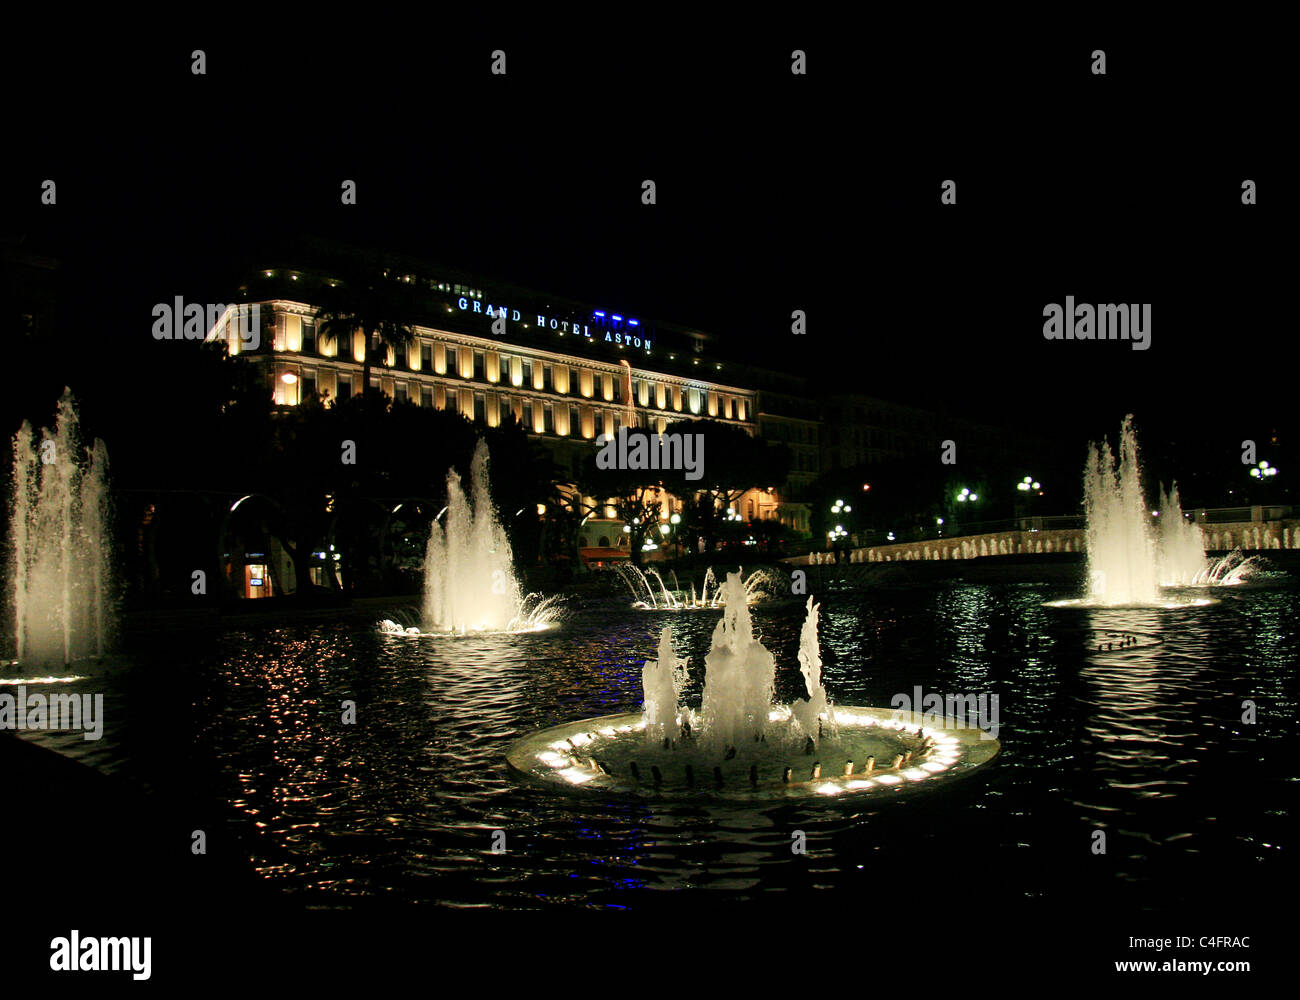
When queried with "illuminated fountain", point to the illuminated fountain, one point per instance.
{"points": [[469, 577], [1180, 550], [657, 596], [739, 744], [1121, 548], [1129, 559], [59, 543]]}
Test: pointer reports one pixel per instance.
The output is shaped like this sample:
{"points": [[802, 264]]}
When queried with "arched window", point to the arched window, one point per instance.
{"points": [[602, 542]]}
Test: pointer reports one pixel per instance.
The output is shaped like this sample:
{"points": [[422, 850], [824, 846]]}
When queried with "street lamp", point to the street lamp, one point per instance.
{"points": [[1263, 471], [841, 508]]}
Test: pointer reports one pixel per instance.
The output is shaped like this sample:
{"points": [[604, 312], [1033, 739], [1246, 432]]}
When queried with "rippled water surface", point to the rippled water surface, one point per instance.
{"points": [[1146, 743]]}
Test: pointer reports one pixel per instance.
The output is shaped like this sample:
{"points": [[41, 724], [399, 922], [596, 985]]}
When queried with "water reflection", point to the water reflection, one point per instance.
{"points": [[1144, 741]]}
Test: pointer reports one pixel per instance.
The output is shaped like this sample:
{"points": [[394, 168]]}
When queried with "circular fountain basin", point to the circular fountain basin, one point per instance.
{"points": [[391, 628], [596, 755], [1172, 604], [642, 606], [47, 679]]}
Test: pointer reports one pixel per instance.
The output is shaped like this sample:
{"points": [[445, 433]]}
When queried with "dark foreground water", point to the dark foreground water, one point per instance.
{"points": [[1145, 744]]}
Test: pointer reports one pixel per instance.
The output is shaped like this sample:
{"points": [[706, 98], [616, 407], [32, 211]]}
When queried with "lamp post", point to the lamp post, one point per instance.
{"points": [[964, 508], [838, 510], [1029, 487], [673, 521]]}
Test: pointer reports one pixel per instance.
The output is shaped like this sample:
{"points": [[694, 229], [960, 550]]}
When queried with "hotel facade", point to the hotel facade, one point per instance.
{"points": [[569, 372]]}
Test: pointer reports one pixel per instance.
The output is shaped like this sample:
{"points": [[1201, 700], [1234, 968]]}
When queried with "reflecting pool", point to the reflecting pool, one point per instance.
{"points": [[1127, 720]]}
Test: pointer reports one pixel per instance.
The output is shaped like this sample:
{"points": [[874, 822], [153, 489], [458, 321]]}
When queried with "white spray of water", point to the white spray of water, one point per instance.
{"points": [[662, 680], [1129, 559], [59, 542], [807, 712], [1121, 549], [739, 679], [469, 577], [739, 673], [1183, 562], [1180, 547], [645, 595]]}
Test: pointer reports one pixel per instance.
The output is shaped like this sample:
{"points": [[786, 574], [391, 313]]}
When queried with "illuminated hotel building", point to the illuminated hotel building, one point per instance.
{"points": [[568, 371]]}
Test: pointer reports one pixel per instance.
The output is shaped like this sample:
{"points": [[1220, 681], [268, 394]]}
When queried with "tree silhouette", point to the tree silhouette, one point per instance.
{"points": [[382, 308], [734, 462]]}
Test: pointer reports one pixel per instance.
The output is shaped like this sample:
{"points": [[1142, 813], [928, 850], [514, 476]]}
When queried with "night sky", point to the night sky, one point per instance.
{"points": [[775, 192]]}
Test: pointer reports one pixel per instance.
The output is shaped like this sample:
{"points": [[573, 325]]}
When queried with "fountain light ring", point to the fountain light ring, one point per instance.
{"points": [[406, 633], [1087, 604], [597, 755]]}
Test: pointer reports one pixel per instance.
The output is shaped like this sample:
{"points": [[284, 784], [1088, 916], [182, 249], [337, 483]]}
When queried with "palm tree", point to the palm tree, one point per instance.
{"points": [[381, 308]]}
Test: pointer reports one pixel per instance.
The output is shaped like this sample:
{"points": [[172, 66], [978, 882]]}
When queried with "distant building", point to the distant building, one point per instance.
{"points": [[28, 292]]}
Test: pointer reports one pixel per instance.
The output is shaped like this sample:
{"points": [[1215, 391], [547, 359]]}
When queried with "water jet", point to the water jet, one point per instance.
{"points": [[469, 578], [737, 702], [59, 542]]}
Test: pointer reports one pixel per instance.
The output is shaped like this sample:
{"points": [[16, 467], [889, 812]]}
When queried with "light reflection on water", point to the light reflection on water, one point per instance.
{"points": [[1145, 742]]}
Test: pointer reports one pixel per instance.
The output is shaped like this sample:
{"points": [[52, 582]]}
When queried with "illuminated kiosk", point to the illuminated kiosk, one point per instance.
{"points": [[738, 744]]}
